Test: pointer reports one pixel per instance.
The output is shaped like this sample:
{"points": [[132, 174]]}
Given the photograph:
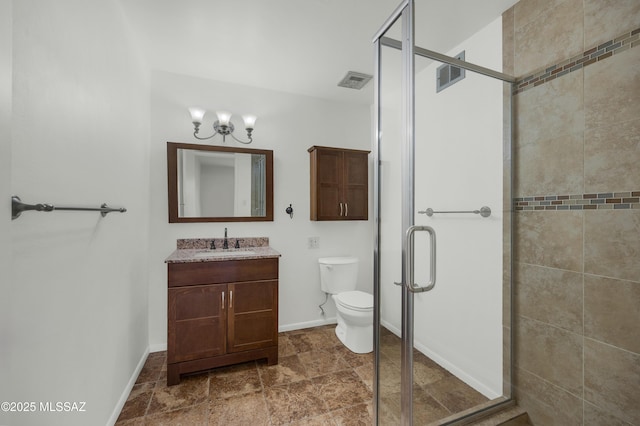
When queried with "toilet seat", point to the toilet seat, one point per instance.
{"points": [[355, 300]]}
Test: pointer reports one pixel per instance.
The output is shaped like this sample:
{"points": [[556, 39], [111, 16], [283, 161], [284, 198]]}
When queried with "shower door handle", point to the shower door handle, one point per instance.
{"points": [[411, 286]]}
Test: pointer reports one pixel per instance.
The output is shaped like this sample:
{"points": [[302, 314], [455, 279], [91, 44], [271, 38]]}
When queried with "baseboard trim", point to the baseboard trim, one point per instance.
{"points": [[127, 390], [458, 372], [157, 347], [442, 361], [307, 324]]}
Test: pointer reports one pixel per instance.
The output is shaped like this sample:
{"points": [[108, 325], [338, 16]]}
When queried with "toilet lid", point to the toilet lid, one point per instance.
{"points": [[356, 299]]}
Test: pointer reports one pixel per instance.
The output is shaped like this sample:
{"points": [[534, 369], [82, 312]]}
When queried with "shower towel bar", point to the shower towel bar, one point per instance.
{"points": [[484, 211], [17, 207]]}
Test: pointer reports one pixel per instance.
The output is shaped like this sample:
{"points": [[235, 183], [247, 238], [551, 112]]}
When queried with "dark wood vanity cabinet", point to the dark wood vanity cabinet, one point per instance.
{"points": [[339, 183], [221, 313], [197, 322]]}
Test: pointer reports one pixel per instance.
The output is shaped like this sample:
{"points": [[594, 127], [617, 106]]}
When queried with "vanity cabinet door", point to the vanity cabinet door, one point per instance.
{"points": [[197, 322], [356, 185], [339, 183], [327, 168], [253, 315]]}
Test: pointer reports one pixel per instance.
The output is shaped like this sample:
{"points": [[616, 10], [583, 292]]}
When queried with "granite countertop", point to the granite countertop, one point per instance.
{"points": [[197, 250]]}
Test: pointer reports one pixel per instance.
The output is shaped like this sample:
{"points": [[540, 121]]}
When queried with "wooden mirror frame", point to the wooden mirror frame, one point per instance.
{"points": [[172, 174]]}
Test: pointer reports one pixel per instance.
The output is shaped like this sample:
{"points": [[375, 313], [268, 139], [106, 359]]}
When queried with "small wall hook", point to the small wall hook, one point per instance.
{"points": [[289, 210]]}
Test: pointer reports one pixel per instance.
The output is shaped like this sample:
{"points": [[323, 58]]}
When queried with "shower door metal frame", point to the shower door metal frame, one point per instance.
{"points": [[406, 12]]}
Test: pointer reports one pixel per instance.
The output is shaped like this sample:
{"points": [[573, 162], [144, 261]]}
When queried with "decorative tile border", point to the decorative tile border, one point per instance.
{"points": [[593, 201], [598, 53]]}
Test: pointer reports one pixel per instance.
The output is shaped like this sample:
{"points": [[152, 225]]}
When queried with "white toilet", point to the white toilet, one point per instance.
{"points": [[338, 277]]}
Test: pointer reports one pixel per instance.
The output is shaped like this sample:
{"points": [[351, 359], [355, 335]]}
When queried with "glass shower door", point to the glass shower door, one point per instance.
{"points": [[388, 200], [443, 348]]}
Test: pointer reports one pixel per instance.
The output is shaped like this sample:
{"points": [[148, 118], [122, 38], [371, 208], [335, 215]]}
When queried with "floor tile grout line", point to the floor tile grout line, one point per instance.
{"points": [[153, 391], [317, 342], [436, 400]]}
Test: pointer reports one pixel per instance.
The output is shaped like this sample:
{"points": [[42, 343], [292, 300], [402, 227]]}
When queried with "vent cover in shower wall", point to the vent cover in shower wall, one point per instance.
{"points": [[355, 80], [446, 74]]}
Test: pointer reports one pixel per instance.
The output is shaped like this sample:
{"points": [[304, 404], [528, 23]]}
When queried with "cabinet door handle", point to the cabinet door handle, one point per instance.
{"points": [[223, 300], [346, 208], [230, 298], [340, 209]]}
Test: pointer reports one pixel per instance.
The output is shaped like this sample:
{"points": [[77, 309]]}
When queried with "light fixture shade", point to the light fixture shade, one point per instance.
{"points": [[196, 114], [249, 121], [223, 117]]}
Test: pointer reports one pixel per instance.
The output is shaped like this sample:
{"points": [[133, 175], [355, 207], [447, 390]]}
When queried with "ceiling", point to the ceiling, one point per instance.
{"points": [[297, 46]]}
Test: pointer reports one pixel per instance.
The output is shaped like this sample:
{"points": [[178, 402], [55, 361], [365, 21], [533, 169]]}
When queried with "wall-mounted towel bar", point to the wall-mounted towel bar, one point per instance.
{"points": [[17, 207], [484, 211]]}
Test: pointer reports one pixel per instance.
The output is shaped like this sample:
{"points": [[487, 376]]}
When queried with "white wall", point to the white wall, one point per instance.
{"points": [[242, 178], [287, 124], [189, 190], [217, 188], [80, 135], [5, 191], [458, 167], [459, 145]]}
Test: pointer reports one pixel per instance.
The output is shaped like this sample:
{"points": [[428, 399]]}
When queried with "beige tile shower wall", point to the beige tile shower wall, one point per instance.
{"points": [[559, 26], [549, 155], [576, 272], [606, 19]]}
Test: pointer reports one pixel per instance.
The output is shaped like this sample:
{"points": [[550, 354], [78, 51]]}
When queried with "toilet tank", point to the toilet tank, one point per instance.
{"points": [[338, 274]]}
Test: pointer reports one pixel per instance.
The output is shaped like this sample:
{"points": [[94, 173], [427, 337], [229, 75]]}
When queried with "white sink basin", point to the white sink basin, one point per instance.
{"points": [[213, 253]]}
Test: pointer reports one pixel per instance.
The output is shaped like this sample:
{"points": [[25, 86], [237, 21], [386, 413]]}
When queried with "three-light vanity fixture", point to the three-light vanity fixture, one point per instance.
{"points": [[223, 125]]}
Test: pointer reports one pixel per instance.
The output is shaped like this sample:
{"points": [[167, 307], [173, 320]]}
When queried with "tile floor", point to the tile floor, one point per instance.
{"points": [[437, 393], [317, 382]]}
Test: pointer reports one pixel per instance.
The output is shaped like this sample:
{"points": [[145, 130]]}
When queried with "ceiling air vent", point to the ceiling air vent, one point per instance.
{"points": [[355, 80], [446, 74]]}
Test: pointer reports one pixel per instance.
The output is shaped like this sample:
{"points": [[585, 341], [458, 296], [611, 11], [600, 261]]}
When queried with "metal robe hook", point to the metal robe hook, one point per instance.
{"points": [[289, 211]]}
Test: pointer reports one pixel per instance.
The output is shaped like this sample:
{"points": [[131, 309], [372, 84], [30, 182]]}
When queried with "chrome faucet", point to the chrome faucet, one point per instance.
{"points": [[225, 245]]}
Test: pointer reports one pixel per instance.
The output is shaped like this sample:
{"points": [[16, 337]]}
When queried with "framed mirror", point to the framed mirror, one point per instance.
{"points": [[219, 183]]}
